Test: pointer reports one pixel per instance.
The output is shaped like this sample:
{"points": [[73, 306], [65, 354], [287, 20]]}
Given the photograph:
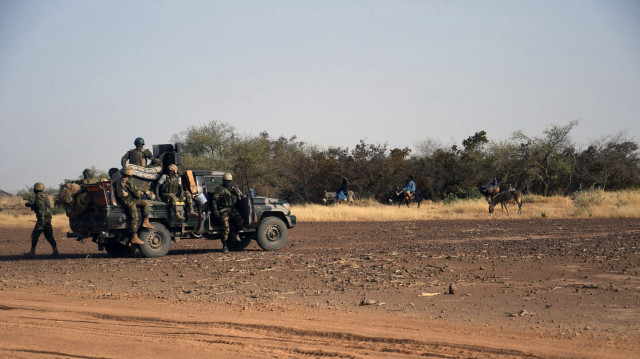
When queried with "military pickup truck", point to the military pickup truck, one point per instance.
{"points": [[105, 221]]}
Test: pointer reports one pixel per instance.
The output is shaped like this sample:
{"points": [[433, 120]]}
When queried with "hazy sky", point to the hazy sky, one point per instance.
{"points": [[81, 79]]}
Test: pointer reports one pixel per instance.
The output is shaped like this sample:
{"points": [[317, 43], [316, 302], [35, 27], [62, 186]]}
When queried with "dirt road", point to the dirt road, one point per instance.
{"points": [[521, 288]]}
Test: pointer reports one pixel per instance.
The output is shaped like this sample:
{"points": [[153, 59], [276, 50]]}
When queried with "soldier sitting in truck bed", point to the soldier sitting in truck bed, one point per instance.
{"points": [[138, 156], [131, 198], [169, 188]]}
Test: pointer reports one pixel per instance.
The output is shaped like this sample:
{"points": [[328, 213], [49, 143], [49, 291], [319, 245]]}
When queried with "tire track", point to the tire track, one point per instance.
{"points": [[260, 337]]}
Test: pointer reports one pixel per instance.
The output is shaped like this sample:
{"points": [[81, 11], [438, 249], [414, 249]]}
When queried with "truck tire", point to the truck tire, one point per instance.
{"points": [[272, 234], [117, 250], [157, 241], [245, 240]]}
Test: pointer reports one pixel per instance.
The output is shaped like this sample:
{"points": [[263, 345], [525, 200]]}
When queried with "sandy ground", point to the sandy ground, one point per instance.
{"points": [[522, 288]]}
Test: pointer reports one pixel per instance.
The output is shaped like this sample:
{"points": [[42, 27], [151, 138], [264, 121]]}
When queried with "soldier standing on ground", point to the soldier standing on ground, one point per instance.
{"points": [[131, 198], [223, 203], [42, 207], [138, 156], [170, 190]]}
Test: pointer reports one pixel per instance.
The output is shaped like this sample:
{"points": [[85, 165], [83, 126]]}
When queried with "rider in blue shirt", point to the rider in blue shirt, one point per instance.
{"points": [[343, 190], [410, 186]]}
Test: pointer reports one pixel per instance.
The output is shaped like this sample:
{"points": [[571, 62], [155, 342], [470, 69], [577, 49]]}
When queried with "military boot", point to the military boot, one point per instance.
{"points": [[135, 239], [31, 254], [55, 253], [179, 217], [146, 224], [224, 247]]}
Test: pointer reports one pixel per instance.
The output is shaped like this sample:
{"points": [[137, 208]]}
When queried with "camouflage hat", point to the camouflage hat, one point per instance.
{"points": [[227, 177], [173, 168], [88, 173], [139, 141], [39, 186], [128, 171]]}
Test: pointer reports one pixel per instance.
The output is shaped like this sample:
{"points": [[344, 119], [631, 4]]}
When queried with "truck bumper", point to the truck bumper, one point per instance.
{"points": [[291, 221]]}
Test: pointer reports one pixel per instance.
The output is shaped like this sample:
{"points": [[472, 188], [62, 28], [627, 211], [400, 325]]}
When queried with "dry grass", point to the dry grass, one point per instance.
{"points": [[15, 214], [594, 203]]}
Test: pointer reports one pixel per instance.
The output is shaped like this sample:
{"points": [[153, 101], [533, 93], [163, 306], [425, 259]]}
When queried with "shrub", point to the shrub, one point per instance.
{"points": [[585, 199]]}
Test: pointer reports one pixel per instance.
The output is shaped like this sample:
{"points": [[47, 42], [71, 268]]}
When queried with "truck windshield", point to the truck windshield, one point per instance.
{"points": [[212, 182]]}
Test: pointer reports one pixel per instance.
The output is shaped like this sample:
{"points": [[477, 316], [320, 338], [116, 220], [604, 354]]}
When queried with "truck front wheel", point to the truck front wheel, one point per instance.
{"points": [[272, 234], [157, 241]]}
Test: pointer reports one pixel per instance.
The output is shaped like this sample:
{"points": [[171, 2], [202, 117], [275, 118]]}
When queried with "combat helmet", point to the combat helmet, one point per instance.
{"points": [[128, 171], [227, 177], [88, 173], [39, 186], [173, 168], [139, 141]]}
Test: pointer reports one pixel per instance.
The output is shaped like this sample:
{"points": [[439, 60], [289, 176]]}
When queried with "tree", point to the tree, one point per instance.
{"points": [[208, 146], [611, 162], [549, 159]]}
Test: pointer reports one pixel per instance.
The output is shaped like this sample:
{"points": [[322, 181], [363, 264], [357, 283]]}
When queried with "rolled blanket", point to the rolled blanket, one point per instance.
{"points": [[147, 173]]}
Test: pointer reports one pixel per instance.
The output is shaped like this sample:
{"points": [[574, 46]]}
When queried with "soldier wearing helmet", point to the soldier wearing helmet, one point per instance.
{"points": [[131, 198], [87, 177], [138, 156], [42, 207], [223, 203], [169, 188]]}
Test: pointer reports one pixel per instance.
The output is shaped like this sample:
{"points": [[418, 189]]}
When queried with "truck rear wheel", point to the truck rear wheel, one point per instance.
{"points": [[157, 241], [117, 250], [272, 234]]}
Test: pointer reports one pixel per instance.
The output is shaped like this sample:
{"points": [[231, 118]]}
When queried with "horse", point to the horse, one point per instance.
{"points": [[506, 197], [330, 196], [489, 192], [405, 197]]}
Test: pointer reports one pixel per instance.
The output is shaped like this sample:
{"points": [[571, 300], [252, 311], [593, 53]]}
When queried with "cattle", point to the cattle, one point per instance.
{"points": [[506, 197], [330, 197], [401, 197]]}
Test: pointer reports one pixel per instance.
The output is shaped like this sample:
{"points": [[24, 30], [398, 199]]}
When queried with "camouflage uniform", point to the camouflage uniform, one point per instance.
{"points": [[88, 178], [42, 208], [131, 198], [171, 191], [138, 156], [224, 199]]}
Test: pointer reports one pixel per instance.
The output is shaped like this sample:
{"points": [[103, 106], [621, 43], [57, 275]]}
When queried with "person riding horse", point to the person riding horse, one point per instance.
{"points": [[410, 187], [343, 190]]}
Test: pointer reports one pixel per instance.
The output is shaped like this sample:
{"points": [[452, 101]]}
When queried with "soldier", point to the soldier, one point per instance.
{"points": [[42, 208], [223, 203], [169, 188], [139, 155], [87, 177], [131, 198]]}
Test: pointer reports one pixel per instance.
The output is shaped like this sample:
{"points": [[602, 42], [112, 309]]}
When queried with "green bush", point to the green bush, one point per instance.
{"points": [[449, 198], [468, 193], [585, 199]]}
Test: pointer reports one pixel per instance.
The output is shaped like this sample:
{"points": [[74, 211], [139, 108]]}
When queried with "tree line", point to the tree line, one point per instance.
{"points": [[549, 164]]}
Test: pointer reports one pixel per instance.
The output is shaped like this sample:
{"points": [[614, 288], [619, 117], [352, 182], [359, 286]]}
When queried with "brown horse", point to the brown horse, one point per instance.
{"points": [[506, 197]]}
